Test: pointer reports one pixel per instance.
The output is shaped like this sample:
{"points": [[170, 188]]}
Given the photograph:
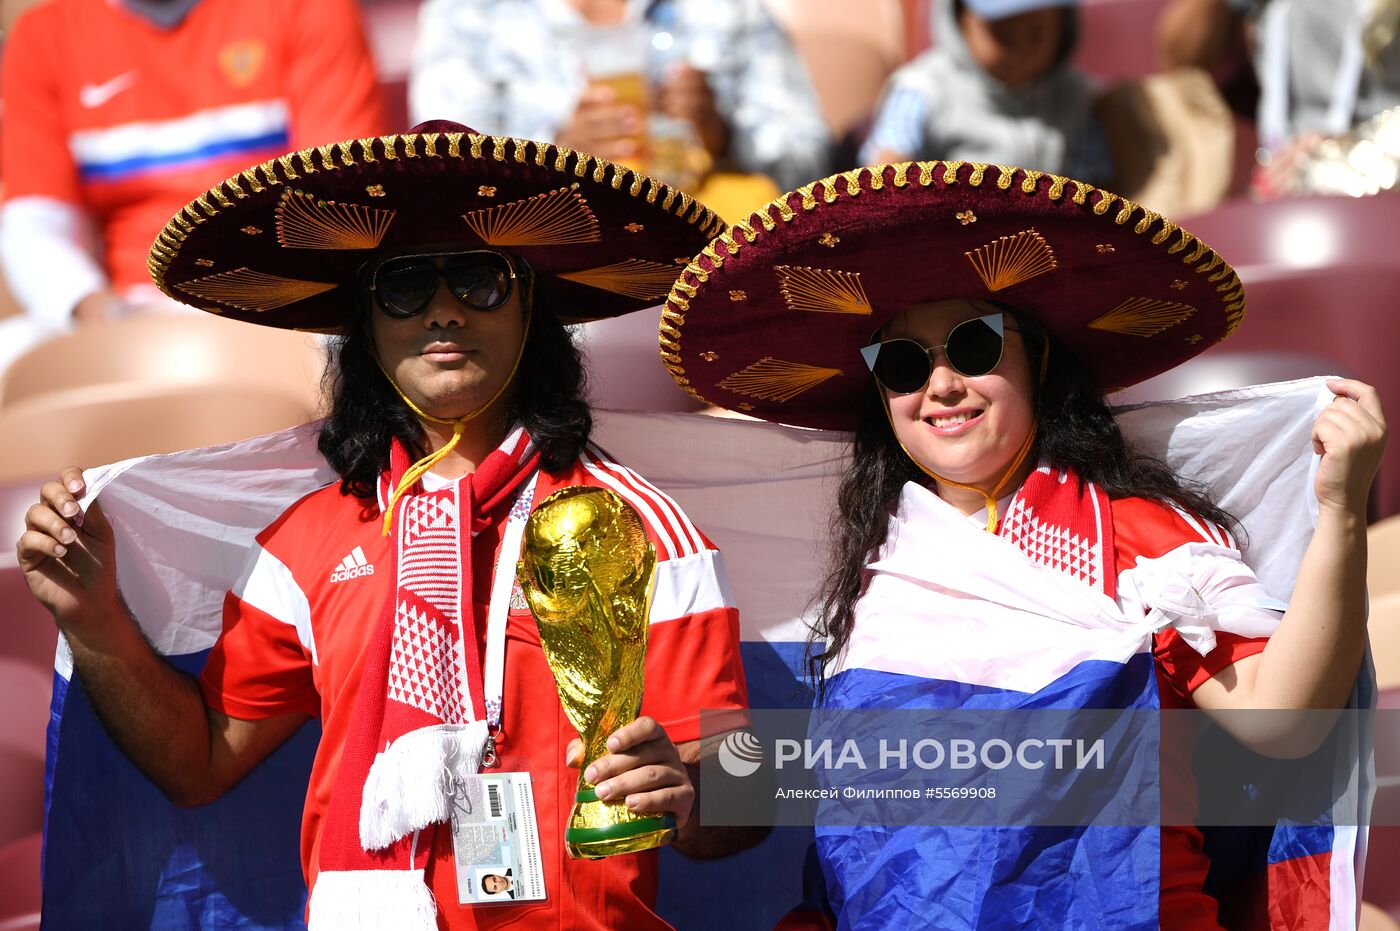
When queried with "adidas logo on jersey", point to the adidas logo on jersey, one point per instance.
{"points": [[352, 567]]}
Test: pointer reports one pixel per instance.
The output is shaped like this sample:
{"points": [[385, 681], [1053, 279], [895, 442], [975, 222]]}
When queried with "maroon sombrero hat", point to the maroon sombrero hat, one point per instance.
{"points": [[280, 243], [770, 318]]}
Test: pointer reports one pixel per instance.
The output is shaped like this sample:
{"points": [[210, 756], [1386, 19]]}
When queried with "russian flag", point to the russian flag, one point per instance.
{"points": [[118, 855]]}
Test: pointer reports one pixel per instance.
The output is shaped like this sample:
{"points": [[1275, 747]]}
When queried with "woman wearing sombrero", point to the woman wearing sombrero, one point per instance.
{"points": [[997, 544], [383, 603]]}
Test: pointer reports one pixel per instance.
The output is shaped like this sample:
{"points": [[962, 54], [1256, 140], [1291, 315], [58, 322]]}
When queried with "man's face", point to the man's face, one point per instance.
{"points": [[451, 358], [495, 884]]}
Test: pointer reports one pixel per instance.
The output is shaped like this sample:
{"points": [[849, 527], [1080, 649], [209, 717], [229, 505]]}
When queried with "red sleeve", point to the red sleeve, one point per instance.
{"points": [[693, 665], [1182, 670], [331, 84], [258, 668], [34, 156]]}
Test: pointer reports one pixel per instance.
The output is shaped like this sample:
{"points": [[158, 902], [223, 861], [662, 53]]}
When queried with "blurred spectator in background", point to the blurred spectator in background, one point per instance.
{"points": [[1329, 77], [998, 88], [720, 71], [117, 112]]}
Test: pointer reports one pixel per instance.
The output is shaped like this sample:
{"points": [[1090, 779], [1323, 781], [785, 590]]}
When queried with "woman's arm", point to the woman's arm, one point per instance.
{"points": [[1311, 661]]}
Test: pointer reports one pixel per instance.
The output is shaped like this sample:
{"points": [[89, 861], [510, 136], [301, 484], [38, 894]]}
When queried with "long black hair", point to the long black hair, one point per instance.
{"points": [[1075, 429], [366, 413]]}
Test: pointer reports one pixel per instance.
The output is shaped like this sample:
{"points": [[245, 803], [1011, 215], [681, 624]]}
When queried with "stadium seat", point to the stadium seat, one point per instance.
{"points": [[108, 423], [156, 352], [24, 694], [1118, 38], [28, 631], [1383, 557], [1222, 369], [19, 883], [1320, 277], [1302, 233], [1374, 919]]}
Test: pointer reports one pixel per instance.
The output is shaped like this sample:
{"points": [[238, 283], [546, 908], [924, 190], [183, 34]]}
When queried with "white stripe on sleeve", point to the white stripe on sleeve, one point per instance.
{"points": [[636, 500], [269, 586], [690, 585]]}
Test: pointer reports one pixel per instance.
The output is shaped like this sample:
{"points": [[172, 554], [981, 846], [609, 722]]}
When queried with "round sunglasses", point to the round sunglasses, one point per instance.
{"points": [[403, 286], [973, 348]]}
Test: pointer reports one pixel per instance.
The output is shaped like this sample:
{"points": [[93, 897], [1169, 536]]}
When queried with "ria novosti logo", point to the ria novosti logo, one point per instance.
{"points": [[352, 567], [740, 754]]}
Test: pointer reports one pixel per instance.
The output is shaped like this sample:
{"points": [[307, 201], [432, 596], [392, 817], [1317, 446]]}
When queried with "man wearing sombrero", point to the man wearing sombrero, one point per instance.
{"points": [[446, 262], [998, 545]]}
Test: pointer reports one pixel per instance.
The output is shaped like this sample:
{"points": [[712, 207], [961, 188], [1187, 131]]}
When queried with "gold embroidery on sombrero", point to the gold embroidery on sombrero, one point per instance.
{"points": [[821, 290], [776, 379], [554, 218], [304, 222], [630, 278], [253, 291], [1142, 316], [1011, 260]]}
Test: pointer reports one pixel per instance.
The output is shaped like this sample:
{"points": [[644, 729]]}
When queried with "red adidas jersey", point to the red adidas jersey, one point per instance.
{"points": [[297, 626], [1146, 530], [110, 112]]}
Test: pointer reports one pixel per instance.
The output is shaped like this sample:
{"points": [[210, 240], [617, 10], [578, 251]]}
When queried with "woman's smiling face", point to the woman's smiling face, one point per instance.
{"points": [[963, 429]]}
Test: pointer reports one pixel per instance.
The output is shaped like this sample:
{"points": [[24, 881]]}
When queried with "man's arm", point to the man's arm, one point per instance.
{"points": [[47, 240], [155, 714]]}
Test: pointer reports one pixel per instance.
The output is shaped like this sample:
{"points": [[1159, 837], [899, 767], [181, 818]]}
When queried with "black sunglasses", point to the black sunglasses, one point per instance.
{"points": [[402, 286], [973, 348]]}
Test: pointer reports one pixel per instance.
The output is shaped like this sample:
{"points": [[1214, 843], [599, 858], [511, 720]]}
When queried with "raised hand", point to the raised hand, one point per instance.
{"points": [[1350, 437], [69, 558]]}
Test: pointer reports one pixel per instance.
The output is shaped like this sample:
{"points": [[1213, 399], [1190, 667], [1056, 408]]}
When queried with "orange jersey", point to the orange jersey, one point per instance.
{"points": [[130, 121]]}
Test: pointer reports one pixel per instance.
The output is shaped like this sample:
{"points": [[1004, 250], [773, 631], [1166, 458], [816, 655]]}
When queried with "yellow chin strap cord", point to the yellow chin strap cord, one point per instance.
{"points": [[459, 426], [1011, 470]]}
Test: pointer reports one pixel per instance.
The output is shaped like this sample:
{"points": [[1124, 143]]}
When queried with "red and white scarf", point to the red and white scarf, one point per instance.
{"points": [[419, 725], [1066, 524]]}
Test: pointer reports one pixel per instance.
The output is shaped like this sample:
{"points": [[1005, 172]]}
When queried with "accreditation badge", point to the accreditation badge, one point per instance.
{"points": [[496, 841]]}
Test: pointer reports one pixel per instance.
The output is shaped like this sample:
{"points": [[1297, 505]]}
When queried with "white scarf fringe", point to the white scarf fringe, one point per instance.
{"points": [[412, 783], [372, 900]]}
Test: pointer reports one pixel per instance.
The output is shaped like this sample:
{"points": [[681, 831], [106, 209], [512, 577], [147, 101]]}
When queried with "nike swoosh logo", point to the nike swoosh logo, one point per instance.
{"points": [[93, 96]]}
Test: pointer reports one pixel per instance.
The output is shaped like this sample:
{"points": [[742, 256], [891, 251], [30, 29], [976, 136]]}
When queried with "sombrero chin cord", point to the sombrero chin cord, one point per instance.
{"points": [[459, 426]]}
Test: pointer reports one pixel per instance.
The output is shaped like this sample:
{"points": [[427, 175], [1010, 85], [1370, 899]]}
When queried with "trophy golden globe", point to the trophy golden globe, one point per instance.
{"points": [[586, 570]]}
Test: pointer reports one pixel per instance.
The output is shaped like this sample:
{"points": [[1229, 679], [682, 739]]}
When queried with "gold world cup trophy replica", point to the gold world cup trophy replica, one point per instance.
{"points": [[586, 569]]}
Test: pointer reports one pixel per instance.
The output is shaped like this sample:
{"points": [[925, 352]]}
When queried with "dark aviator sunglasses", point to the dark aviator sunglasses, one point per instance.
{"points": [[402, 286], [973, 348]]}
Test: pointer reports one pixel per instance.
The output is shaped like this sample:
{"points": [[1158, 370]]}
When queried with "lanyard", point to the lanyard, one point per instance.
{"points": [[497, 615]]}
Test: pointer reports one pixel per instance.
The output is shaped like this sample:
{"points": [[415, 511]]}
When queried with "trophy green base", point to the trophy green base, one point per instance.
{"points": [[600, 829]]}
